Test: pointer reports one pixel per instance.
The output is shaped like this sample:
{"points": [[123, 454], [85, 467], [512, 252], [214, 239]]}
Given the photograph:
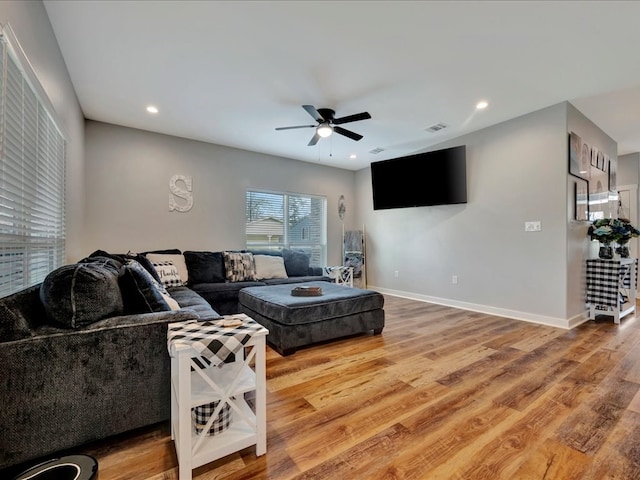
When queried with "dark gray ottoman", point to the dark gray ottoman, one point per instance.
{"points": [[299, 321]]}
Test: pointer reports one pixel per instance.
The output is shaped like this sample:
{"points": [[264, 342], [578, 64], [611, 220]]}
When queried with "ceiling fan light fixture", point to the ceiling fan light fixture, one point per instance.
{"points": [[324, 130]]}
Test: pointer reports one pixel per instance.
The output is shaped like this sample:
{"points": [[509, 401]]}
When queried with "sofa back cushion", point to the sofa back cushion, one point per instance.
{"points": [[205, 267], [80, 294], [296, 263]]}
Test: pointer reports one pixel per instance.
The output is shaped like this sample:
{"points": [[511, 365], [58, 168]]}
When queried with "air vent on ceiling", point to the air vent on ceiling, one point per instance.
{"points": [[436, 127], [377, 150]]}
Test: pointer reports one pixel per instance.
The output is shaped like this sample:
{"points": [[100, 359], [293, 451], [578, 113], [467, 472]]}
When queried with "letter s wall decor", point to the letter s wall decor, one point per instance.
{"points": [[183, 193]]}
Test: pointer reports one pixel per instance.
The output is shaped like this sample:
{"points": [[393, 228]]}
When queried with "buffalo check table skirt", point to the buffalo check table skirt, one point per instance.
{"points": [[212, 342], [611, 284]]}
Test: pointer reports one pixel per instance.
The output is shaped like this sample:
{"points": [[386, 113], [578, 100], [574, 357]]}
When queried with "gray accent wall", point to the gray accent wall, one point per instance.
{"points": [[127, 180], [30, 23], [517, 171]]}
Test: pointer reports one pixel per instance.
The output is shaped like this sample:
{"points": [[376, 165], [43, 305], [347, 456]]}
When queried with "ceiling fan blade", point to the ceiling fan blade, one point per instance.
{"points": [[351, 118], [347, 133], [311, 110], [313, 140], [298, 126]]}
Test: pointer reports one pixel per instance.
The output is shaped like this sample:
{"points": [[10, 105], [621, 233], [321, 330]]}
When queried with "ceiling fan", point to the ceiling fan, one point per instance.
{"points": [[327, 123]]}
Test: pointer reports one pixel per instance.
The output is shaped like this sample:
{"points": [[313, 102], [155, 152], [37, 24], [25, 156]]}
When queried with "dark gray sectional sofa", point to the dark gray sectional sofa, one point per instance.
{"points": [[81, 366], [207, 276]]}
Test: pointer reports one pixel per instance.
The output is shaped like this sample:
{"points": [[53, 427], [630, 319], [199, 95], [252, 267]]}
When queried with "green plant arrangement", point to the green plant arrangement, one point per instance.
{"points": [[610, 230]]}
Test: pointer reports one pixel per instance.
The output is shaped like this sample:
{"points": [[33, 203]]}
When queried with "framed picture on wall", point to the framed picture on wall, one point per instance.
{"points": [[581, 200], [613, 186], [594, 156], [579, 164]]}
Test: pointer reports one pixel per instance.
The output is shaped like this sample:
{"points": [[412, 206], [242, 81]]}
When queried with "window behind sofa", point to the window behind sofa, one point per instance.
{"points": [[275, 220], [32, 175]]}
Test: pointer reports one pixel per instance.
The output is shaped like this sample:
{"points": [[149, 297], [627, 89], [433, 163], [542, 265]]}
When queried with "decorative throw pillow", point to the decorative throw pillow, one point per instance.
{"points": [[269, 266], [178, 261], [239, 267], [81, 294], [296, 263], [168, 274], [205, 267], [141, 293]]}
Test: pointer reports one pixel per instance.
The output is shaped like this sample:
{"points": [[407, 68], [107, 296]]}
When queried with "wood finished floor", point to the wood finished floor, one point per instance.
{"points": [[441, 394]]}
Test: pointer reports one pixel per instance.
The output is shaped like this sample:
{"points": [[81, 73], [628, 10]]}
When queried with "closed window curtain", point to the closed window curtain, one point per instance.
{"points": [[282, 220], [32, 176]]}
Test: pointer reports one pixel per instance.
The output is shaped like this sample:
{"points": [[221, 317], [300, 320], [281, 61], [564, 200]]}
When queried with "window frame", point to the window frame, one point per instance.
{"points": [[317, 249]]}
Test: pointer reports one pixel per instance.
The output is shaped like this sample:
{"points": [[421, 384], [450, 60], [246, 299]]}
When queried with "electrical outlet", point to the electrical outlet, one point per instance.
{"points": [[532, 226], [396, 273], [454, 279]]}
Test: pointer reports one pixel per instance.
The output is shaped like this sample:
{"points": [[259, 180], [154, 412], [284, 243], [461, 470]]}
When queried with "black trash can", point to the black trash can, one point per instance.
{"points": [[70, 467]]}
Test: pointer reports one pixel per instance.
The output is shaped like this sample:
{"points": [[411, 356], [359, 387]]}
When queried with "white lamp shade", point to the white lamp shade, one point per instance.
{"points": [[324, 130]]}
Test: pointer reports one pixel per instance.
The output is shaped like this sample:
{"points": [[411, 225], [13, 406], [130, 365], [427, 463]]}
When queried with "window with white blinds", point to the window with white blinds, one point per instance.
{"points": [[32, 176], [286, 220]]}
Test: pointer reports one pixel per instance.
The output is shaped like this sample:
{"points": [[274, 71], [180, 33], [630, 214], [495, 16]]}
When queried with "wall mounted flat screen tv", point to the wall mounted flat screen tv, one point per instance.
{"points": [[430, 178]]}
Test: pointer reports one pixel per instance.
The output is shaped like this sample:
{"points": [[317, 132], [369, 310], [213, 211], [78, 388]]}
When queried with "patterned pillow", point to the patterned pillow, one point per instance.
{"points": [[239, 267], [168, 273], [178, 261]]}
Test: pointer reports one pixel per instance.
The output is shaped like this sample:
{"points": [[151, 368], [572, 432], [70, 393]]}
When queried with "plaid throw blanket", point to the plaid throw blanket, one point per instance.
{"points": [[214, 343]]}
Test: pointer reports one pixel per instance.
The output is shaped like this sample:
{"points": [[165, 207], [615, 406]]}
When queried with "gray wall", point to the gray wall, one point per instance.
{"points": [[516, 172], [629, 169], [127, 177], [30, 23]]}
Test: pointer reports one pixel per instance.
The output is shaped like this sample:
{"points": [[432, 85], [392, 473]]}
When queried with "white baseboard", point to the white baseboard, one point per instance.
{"points": [[500, 312]]}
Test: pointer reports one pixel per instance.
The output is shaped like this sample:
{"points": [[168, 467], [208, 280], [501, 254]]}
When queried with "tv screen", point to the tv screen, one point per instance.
{"points": [[430, 178]]}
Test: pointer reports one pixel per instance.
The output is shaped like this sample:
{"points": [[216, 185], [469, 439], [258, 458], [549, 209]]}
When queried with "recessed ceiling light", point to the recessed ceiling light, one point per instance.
{"points": [[481, 105], [353, 155], [152, 109]]}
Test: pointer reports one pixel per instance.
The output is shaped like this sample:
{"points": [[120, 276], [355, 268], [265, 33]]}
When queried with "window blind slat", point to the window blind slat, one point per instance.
{"points": [[32, 179]]}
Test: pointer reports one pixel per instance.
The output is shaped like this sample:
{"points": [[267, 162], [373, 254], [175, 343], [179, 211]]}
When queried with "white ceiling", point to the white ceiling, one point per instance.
{"points": [[229, 73]]}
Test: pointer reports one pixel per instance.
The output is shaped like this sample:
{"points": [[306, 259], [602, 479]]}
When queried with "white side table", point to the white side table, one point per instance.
{"points": [[193, 384], [341, 275]]}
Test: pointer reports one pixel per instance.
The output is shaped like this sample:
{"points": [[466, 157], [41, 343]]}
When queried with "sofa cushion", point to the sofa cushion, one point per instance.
{"points": [[82, 293], [205, 267], [269, 266], [296, 263], [141, 293], [306, 278], [176, 258], [166, 251], [190, 300], [239, 267]]}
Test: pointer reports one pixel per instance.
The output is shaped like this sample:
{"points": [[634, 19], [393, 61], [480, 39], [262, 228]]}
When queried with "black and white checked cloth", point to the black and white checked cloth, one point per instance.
{"points": [[605, 278], [202, 413], [215, 343]]}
